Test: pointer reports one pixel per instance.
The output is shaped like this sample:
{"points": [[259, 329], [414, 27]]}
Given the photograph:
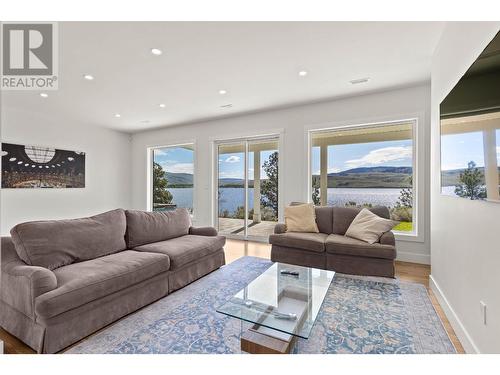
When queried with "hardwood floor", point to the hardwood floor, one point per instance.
{"points": [[417, 273]]}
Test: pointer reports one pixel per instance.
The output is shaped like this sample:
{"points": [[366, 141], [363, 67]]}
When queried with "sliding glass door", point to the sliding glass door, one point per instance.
{"points": [[247, 187]]}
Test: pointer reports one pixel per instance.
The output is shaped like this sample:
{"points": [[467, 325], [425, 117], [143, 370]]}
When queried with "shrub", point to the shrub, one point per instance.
{"points": [[401, 213], [355, 204], [268, 214], [224, 213]]}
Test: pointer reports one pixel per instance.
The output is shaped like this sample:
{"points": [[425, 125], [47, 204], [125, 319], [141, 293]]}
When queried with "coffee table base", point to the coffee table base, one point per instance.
{"points": [[254, 341]]}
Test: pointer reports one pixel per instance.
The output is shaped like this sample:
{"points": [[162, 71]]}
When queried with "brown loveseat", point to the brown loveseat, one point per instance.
{"points": [[331, 249], [63, 280]]}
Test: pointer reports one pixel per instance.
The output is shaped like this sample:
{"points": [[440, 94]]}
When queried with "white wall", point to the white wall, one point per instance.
{"points": [[465, 234], [107, 169], [392, 105]]}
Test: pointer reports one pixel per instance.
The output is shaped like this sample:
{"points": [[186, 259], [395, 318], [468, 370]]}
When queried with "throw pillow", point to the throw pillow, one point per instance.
{"points": [[301, 218], [368, 227]]}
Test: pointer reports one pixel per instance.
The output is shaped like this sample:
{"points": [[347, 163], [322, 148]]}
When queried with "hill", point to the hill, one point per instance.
{"points": [[183, 180], [363, 177], [361, 170], [179, 179], [370, 177], [450, 177]]}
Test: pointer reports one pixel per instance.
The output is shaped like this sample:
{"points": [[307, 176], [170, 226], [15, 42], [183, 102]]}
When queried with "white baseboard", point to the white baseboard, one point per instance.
{"points": [[455, 322], [413, 258]]}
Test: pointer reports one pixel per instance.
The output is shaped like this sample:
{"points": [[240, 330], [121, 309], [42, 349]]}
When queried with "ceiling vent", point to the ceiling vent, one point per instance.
{"points": [[360, 80]]}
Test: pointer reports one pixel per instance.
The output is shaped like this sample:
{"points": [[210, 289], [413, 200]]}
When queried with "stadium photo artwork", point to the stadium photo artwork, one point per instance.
{"points": [[31, 167]]}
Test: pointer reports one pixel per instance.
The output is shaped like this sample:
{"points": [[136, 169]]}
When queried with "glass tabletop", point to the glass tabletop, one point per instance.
{"points": [[285, 298]]}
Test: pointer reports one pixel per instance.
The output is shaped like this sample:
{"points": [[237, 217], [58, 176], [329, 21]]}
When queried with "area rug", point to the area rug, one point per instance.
{"points": [[359, 315]]}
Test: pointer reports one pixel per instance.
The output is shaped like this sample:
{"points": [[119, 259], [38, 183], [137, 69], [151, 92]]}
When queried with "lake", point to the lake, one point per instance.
{"points": [[231, 198]]}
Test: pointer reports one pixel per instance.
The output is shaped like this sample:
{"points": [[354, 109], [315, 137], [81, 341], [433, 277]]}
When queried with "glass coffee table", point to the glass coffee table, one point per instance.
{"points": [[281, 304]]}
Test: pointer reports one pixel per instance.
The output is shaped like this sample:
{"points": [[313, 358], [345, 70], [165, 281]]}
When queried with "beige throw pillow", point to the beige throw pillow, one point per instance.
{"points": [[301, 218], [368, 227]]}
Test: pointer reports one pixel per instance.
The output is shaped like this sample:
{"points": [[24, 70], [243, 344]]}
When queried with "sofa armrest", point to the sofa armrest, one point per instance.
{"points": [[21, 284], [387, 239], [203, 231], [279, 228]]}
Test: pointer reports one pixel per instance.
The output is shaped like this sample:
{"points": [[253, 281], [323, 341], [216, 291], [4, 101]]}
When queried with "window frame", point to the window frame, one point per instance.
{"points": [[150, 160], [417, 234]]}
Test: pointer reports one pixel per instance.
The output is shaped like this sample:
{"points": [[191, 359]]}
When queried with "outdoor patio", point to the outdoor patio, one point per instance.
{"points": [[236, 226]]}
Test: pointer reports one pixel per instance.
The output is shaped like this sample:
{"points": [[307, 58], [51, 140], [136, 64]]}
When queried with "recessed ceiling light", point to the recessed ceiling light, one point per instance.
{"points": [[302, 73], [360, 80], [161, 105], [226, 105], [44, 95], [156, 51], [117, 115], [222, 92], [88, 77]]}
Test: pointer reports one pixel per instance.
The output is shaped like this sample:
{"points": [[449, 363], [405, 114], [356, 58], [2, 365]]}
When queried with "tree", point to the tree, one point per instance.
{"points": [[406, 195], [269, 187], [471, 183], [315, 193], [160, 192]]}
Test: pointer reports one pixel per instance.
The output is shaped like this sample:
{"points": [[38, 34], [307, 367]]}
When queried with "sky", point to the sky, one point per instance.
{"points": [[233, 165], [457, 150], [344, 157], [175, 159]]}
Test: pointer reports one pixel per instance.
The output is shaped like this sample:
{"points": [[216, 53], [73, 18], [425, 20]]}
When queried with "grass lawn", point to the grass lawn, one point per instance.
{"points": [[404, 226]]}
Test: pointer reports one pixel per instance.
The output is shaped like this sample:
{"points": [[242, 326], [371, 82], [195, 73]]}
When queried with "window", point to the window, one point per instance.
{"points": [[470, 156], [172, 177], [366, 166]]}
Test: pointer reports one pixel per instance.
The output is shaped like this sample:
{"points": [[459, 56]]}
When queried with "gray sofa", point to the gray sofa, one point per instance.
{"points": [[63, 280], [331, 249]]}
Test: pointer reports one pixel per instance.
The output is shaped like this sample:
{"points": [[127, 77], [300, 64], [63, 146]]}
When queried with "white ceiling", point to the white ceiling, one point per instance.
{"points": [[257, 63]]}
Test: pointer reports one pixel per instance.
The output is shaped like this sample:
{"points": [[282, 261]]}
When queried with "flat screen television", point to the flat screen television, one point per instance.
{"points": [[470, 130]]}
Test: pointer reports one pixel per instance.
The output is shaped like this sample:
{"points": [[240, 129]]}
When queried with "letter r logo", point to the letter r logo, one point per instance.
{"points": [[27, 49]]}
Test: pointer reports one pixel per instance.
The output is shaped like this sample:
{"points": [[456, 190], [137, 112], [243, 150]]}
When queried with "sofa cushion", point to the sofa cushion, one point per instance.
{"points": [[301, 218], [147, 227], [83, 282], [305, 241], [185, 249], [343, 217], [324, 219], [56, 243], [338, 244], [369, 227]]}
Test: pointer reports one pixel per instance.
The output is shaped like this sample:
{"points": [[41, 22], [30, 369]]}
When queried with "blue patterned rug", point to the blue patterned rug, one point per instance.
{"points": [[359, 315]]}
